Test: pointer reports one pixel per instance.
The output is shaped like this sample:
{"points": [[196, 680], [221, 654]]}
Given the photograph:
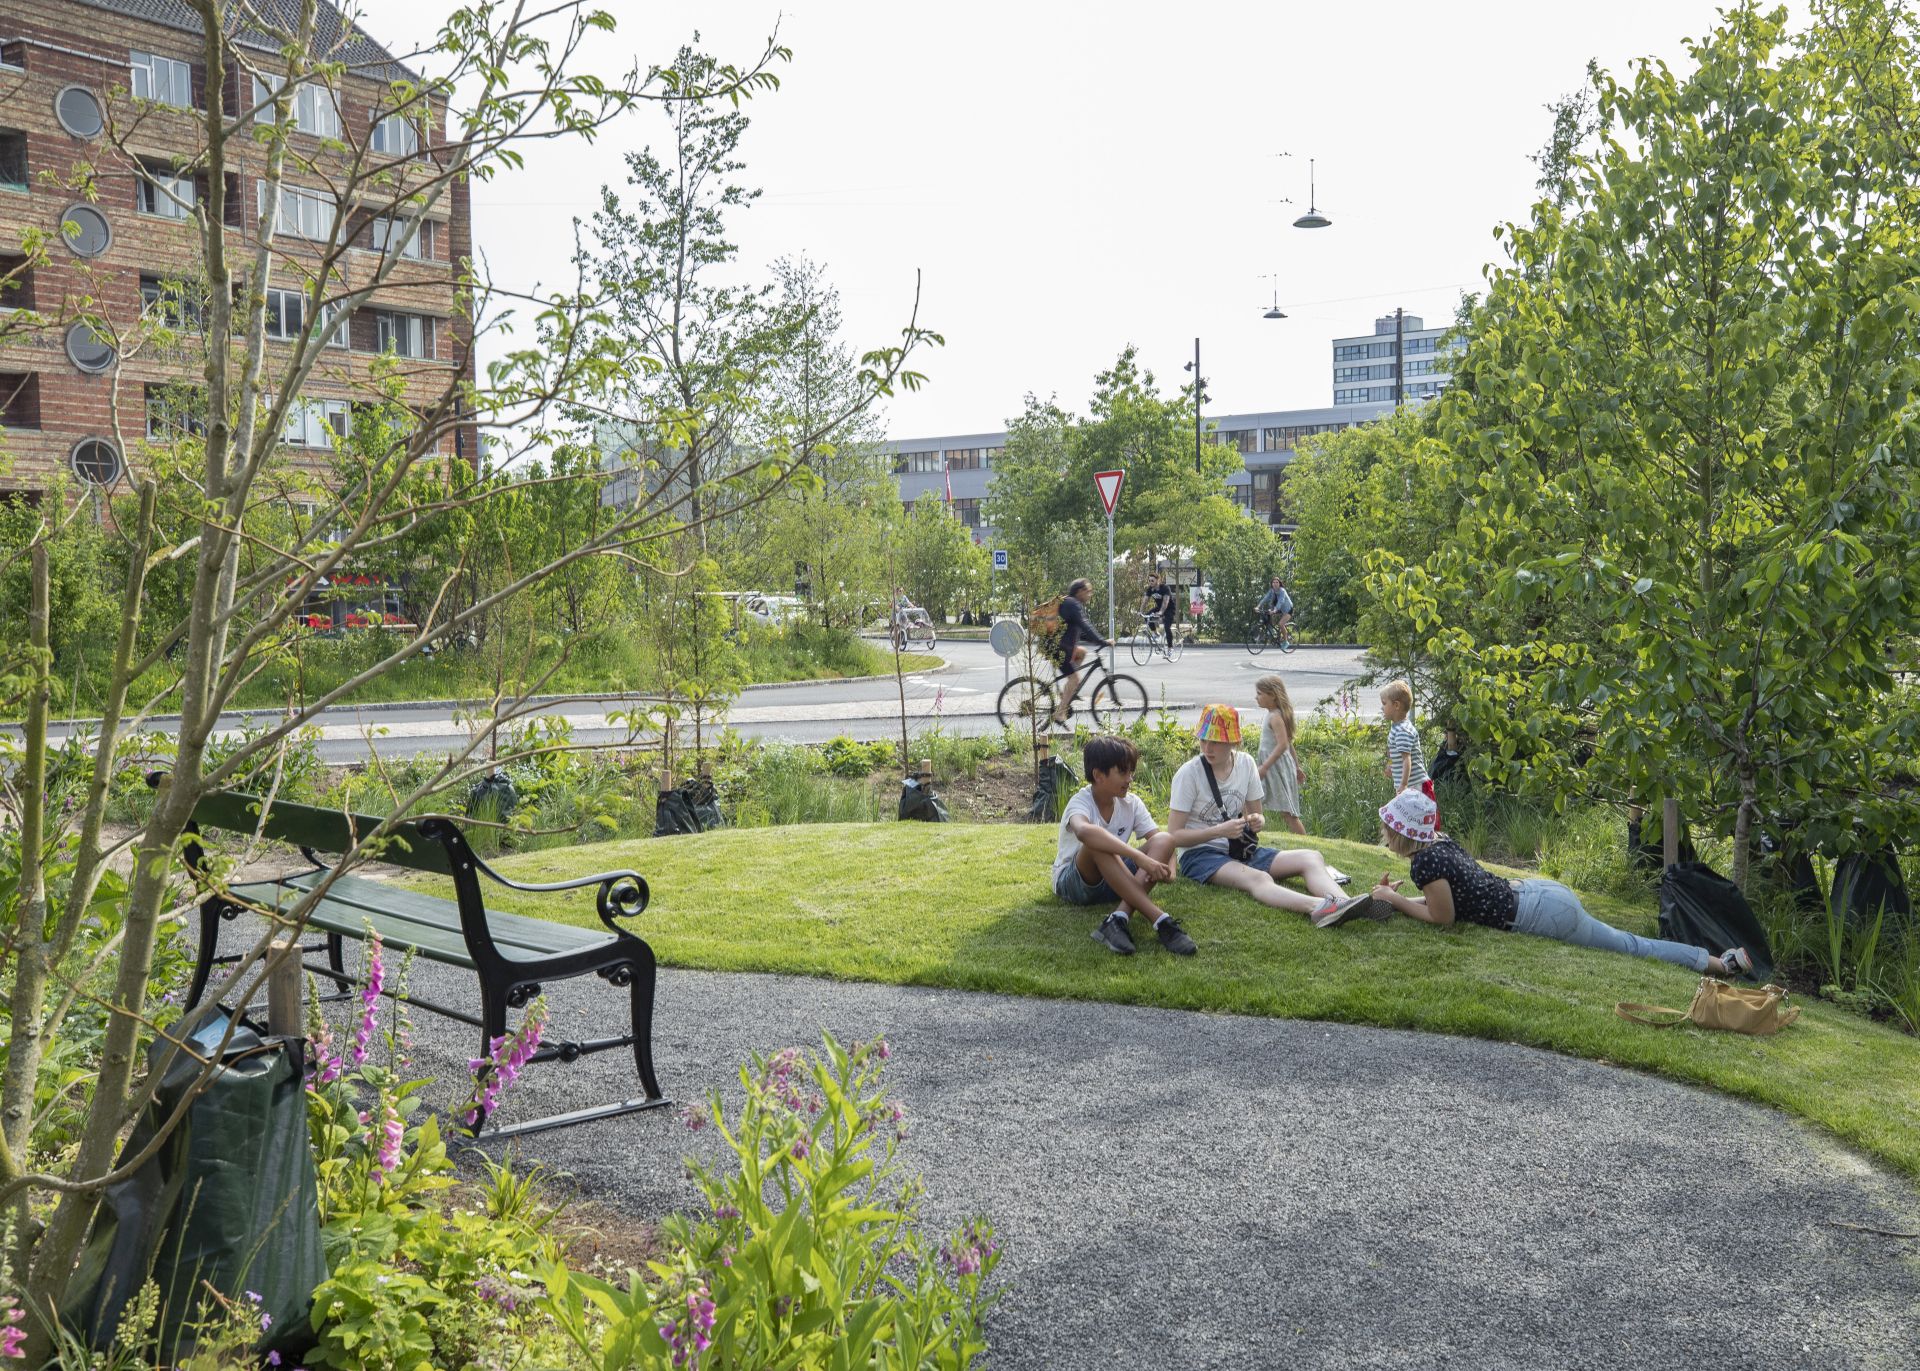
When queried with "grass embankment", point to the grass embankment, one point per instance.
{"points": [[967, 906]]}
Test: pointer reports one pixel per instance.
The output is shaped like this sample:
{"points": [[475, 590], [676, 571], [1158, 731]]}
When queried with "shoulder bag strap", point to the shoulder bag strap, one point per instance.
{"points": [[1637, 1013], [1206, 768]]}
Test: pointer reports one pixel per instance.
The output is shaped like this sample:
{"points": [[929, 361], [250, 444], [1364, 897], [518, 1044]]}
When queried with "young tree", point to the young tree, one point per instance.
{"points": [[1686, 445], [938, 563], [505, 78]]}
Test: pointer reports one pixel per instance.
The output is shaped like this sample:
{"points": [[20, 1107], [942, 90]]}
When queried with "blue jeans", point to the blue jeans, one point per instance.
{"points": [[1548, 909]]}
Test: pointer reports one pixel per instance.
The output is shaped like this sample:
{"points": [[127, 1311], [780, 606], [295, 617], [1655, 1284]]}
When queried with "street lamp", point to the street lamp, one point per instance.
{"points": [[1276, 312], [1313, 218]]}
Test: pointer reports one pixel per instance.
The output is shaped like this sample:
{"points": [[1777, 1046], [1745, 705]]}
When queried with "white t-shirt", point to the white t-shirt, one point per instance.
{"points": [[1240, 793], [1131, 819]]}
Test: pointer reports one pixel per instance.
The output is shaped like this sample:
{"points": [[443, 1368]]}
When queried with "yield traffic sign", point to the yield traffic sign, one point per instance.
{"points": [[1107, 484]]}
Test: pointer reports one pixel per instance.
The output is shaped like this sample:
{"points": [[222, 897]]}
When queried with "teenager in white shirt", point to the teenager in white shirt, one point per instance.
{"points": [[1216, 815], [1097, 862]]}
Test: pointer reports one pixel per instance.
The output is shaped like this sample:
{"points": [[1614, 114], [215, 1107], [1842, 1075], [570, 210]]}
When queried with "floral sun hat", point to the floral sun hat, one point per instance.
{"points": [[1218, 724], [1412, 814]]}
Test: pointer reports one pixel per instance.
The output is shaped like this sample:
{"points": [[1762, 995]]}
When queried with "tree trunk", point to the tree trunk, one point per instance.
{"points": [[1743, 826]]}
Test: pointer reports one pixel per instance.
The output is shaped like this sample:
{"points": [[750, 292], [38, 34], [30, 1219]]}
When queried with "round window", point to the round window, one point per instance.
{"points": [[85, 230], [79, 112], [89, 349], [96, 461]]}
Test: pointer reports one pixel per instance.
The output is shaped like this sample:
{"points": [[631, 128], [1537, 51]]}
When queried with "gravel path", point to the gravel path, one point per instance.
{"points": [[1186, 1190]]}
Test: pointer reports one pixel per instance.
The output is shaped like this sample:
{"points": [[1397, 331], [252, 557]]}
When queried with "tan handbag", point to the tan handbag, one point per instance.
{"points": [[1720, 1004]]}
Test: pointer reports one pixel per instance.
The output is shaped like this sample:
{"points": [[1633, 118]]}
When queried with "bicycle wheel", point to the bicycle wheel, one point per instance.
{"points": [[927, 638], [1022, 699], [1141, 645], [1257, 641], [1177, 646], [1117, 702]]}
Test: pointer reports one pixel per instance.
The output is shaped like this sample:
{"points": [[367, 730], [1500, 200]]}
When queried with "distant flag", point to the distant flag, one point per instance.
{"points": [[947, 469]]}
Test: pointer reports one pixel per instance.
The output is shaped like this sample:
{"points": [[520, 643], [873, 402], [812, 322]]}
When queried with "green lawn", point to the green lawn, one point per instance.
{"points": [[969, 906]]}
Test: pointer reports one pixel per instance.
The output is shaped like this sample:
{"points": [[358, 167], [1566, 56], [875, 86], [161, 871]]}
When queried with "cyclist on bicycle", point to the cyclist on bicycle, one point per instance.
{"points": [[1158, 604], [1075, 628], [1276, 608]]}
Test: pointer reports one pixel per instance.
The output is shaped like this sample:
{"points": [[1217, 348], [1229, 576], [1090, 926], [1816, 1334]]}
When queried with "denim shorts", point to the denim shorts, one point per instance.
{"points": [[1199, 863], [1072, 887]]}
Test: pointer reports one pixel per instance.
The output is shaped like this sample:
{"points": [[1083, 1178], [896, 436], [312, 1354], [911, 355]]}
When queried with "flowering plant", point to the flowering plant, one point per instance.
{"points": [[416, 1283], [810, 1254]]}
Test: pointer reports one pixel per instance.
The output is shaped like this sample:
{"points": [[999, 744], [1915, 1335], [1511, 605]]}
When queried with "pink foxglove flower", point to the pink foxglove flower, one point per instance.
{"points": [[369, 1003]]}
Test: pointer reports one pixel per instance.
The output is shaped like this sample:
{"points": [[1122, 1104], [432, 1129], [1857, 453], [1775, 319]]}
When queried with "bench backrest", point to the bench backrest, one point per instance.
{"points": [[322, 830]]}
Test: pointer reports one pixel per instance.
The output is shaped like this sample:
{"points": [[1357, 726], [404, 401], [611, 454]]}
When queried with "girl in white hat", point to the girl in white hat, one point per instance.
{"points": [[1454, 887]]}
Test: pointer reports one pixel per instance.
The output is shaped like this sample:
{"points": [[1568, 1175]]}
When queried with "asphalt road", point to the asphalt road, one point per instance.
{"points": [[1179, 1190], [961, 697]]}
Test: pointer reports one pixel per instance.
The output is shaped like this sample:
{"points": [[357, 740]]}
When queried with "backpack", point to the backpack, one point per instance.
{"points": [[1045, 625], [1702, 908]]}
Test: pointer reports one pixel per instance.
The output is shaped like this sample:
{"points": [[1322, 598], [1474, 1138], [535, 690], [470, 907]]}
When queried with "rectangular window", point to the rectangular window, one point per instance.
{"points": [[314, 108], [175, 410], [13, 55], [19, 399], [165, 194], [173, 304], [967, 512], [286, 314], [303, 213], [1422, 344], [393, 232], [406, 335], [16, 281], [336, 337], [395, 136], [13, 159], [1241, 439], [1359, 396], [972, 458], [161, 80], [316, 423], [922, 462]]}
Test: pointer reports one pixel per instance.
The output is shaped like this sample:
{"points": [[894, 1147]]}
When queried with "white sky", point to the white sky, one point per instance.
{"points": [[1073, 177]]}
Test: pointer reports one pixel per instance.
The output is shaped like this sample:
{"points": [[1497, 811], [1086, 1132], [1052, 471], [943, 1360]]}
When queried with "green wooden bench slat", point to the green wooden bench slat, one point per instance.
{"points": [[423, 921], [323, 830], [510, 931]]}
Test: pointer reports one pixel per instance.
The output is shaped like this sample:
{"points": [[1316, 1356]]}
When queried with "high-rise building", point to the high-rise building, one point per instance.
{"points": [[1402, 359], [119, 87]]}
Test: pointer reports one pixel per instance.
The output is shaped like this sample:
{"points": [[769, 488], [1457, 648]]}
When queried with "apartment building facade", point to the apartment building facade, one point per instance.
{"points": [[102, 109], [960, 466], [1401, 360]]}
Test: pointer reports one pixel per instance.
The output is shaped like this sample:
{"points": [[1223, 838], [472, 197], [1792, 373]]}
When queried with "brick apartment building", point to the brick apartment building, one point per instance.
{"points": [[120, 86]]}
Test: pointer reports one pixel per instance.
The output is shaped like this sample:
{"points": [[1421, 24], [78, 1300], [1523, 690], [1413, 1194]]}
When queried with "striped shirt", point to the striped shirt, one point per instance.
{"points": [[1403, 740]]}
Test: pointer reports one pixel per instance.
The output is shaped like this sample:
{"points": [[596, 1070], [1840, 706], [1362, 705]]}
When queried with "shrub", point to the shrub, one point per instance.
{"points": [[845, 757], [811, 1254]]}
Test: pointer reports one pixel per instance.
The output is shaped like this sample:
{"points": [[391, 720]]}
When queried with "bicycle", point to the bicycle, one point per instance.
{"points": [[1151, 637], [917, 627], [1113, 700], [1264, 635]]}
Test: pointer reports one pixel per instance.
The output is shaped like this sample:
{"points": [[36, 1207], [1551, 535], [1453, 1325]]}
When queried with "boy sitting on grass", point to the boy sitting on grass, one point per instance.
{"points": [[1097, 862]]}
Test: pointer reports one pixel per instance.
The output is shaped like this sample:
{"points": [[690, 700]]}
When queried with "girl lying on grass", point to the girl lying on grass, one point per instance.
{"points": [[1455, 887]]}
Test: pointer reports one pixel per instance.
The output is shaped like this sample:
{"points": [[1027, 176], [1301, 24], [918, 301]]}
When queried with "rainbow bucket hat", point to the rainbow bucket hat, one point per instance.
{"points": [[1218, 724]]}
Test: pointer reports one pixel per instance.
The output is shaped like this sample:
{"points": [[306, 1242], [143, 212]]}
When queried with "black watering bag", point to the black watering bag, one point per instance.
{"points": [[1869, 886], [917, 801], [1702, 908], [1053, 783], [690, 808], [230, 1200]]}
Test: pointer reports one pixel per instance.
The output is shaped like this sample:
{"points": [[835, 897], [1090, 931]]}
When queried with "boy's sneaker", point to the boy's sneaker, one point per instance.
{"points": [[1336, 912], [1113, 933], [1174, 938], [1737, 962]]}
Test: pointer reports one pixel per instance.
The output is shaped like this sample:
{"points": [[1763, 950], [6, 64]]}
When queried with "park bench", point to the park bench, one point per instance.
{"points": [[510, 954]]}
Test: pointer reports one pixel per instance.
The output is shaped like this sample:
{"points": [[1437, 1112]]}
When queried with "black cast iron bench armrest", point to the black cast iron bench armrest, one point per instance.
{"points": [[622, 894]]}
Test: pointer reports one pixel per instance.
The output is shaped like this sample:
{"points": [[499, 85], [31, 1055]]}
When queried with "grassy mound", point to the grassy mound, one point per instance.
{"points": [[970, 907]]}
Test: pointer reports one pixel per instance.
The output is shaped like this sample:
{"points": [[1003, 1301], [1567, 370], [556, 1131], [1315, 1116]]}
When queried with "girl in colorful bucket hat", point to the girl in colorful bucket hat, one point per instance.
{"points": [[1455, 888], [1216, 814]]}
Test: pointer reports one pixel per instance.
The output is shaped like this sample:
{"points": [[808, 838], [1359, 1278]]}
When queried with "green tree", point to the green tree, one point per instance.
{"points": [[939, 565], [1238, 567], [1686, 447]]}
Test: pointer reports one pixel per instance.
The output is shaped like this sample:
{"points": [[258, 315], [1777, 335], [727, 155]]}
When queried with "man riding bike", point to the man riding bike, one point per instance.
{"points": [[1158, 605], [1075, 628], [1276, 609]]}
